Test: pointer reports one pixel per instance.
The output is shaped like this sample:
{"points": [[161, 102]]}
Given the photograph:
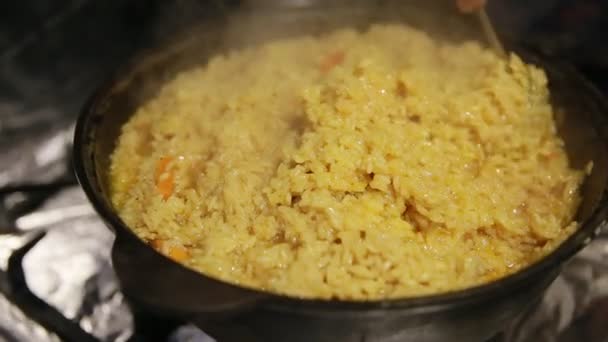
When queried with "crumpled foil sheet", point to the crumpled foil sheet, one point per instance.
{"points": [[70, 269]]}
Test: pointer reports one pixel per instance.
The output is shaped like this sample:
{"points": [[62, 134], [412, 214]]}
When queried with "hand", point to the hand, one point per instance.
{"points": [[468, 6]]}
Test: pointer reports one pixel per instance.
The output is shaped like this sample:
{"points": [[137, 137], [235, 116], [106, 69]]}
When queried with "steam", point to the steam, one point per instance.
{"points": [[187, 33], [249, 22]]}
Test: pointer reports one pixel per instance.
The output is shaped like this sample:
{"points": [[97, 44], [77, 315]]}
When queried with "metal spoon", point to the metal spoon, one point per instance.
{"points": [[490, 32]]}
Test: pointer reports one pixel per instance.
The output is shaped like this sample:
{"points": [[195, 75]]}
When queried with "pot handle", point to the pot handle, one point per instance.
{"points": [[159, 284]]}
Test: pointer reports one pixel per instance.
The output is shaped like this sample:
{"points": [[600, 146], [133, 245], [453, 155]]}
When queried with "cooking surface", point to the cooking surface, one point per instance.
{"points": [[52, 54]]}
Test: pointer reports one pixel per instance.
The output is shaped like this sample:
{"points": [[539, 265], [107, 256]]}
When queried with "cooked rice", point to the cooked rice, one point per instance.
{"points": [[353, 166]]}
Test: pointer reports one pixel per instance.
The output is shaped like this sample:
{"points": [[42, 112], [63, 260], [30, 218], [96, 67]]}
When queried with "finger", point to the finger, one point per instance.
{"points": [[468, 6]]}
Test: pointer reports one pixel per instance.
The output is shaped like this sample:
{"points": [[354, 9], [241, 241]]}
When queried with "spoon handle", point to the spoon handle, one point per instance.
{"points": [[490, 33]]}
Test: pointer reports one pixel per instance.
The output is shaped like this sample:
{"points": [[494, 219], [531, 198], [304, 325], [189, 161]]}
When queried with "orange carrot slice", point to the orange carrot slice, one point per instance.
{"points": [[331, 60], [157, 244], [161, 167], [164, 177], [179, 253], [165, 186]]}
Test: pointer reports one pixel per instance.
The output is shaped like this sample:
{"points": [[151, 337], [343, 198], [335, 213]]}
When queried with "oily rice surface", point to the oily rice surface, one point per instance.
{"points": [[354, 165]]}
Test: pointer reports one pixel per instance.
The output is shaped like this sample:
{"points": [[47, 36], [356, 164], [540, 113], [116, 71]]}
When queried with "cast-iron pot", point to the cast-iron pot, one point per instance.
{"points": [[233, 313]]}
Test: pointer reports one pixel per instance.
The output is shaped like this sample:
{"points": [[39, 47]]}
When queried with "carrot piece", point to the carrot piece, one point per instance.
{"points": [[331, 60], [164, 177], [179, 253], [157, 244], [165, 186], [161, 167]]}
